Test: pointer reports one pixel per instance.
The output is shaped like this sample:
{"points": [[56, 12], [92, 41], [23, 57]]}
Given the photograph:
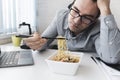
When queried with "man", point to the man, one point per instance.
{"points": [[80, 25]]}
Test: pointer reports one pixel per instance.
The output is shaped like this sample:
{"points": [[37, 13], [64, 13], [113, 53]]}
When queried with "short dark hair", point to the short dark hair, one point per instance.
{"points": [[94, 0], [71, 4]]}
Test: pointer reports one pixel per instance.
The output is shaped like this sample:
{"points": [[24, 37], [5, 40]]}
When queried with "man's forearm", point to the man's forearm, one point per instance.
{"points": [[109, 40]]}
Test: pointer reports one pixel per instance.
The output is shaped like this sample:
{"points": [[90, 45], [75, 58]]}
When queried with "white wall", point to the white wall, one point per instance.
{"points": [[115, 7], [26, 12], [47, 9]]}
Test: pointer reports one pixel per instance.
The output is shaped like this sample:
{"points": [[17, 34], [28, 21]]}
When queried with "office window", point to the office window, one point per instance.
{"points": [[14, 12], [0, 18], [7, 16]]}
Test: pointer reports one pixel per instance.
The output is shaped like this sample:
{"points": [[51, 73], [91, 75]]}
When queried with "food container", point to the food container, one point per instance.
{"points": [[68, 68]]}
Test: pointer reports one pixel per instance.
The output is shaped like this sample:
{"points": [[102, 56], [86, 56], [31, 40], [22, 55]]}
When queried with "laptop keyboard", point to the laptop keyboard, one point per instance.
{"points": [[10, 58]]}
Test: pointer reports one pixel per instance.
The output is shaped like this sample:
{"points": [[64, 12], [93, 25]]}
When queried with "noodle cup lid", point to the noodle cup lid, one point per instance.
{"points": [[66, 68]]}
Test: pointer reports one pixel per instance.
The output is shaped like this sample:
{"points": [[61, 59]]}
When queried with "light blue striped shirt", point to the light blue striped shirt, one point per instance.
{"points": [[102, 37]]}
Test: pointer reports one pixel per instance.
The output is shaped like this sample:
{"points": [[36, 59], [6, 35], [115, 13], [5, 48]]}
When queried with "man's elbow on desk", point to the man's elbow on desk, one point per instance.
{"points": [[111, 60]]}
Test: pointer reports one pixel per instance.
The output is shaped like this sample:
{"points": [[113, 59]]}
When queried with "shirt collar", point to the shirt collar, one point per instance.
{"points": [[66, 22]]}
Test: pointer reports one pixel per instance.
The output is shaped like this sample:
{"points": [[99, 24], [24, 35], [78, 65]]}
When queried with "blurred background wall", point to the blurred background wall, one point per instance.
{"points": [[46, 10]]}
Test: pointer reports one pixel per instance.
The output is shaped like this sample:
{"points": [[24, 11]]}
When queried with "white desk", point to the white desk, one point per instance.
{"points": [[40, 71]]}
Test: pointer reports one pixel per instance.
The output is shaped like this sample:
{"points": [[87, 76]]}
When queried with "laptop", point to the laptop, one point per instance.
{"points": [[16, 58]]}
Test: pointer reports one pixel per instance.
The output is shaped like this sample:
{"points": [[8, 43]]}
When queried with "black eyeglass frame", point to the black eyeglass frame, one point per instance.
{"points": [[81, 17]]}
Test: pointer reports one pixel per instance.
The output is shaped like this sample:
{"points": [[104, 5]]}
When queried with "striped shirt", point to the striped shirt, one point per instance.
{"points": [[102, 36]]}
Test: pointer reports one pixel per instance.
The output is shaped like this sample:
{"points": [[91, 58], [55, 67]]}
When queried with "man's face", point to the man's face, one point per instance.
{"points": [[85, 8]]}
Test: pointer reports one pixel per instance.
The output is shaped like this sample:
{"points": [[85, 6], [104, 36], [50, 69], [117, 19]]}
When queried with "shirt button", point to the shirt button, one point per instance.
{"points": [[110, 43], [107, 22]]}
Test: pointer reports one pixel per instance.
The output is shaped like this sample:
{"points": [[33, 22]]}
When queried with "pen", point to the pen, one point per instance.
{"points": [[93, 59]]}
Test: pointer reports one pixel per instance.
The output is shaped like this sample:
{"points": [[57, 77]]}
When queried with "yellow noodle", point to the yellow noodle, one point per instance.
{"points": [[62, 46], [62, 55]]}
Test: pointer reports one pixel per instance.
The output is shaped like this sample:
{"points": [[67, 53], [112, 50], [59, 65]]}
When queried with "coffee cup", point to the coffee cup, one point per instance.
{"points": [[16, 40]]}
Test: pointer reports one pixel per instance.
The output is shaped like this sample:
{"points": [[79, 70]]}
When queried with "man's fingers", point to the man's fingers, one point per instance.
{"points": [[31, 39], [35, 42], [36, 47]]}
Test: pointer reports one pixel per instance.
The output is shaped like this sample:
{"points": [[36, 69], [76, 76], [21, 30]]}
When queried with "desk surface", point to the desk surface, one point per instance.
{"points": [[40, 71]]}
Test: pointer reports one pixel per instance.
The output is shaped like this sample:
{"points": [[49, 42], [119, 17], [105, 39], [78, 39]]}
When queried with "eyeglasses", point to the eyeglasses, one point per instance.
{"points": [[83, 18]]}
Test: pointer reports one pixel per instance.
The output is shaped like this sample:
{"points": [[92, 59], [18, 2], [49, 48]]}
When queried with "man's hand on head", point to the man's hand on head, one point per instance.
{"points": [[104, 6]]}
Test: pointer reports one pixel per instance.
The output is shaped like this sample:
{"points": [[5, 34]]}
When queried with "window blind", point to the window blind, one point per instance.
{"points": [[14, 12], [7, 16]]}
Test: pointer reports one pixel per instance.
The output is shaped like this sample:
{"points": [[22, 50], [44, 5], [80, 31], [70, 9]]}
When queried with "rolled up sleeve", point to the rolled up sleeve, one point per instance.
{"points": [[109, 40]]}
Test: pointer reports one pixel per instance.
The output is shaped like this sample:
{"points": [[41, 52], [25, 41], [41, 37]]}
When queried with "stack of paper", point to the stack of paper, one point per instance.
{"points": [[110, 73]]}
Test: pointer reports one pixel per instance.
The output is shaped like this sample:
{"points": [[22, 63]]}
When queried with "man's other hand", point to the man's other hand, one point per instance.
{"points": [[104, 6]]}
